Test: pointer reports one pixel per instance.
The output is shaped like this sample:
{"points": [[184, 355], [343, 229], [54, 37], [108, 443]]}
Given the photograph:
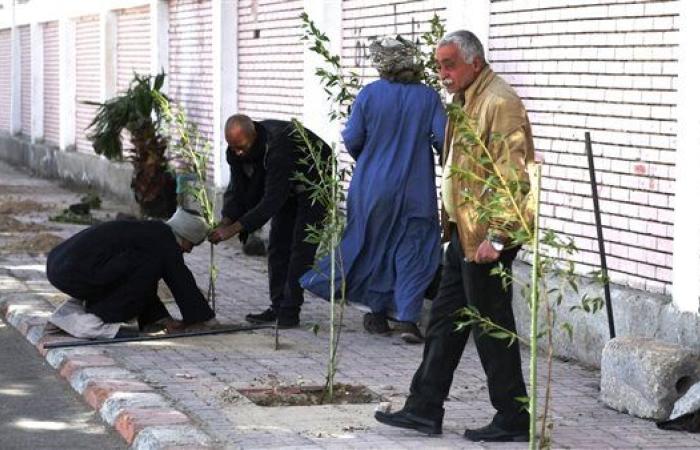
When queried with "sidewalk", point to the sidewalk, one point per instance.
{"points": [[182, 393]]}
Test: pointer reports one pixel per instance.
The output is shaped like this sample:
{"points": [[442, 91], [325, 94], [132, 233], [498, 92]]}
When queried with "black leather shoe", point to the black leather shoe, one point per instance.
{"points": [[286, 322], [267, 316], [404, 419], [494, 433]]}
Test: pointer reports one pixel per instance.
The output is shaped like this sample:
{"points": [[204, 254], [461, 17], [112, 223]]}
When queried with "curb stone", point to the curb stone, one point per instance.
{"points": [[142, 417], [180, 436], [119, 402]]}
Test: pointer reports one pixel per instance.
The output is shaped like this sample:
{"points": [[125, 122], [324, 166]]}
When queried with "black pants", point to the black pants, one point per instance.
{"points": [[289, 255], [467, 283], [133, 296]]}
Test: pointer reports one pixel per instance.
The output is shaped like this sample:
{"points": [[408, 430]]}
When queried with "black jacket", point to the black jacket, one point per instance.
{"points": [[261, 181], [91, 262]]}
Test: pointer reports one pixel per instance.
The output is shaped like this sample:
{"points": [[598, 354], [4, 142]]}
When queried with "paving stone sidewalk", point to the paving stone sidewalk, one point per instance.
{"points": [[183, 393]]}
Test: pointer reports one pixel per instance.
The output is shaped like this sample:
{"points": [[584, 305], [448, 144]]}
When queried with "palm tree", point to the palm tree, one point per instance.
{"points": [[137, 112]]}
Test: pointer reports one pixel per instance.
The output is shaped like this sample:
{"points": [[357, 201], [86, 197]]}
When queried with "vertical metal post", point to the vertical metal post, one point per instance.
{"points": [[601, 241]]}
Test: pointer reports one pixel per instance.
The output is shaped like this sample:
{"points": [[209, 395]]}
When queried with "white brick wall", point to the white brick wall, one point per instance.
{"points": [[5, 80], [52, 114], [133, 45], [190, 54], [364, 20], [608, 67], [270, 59], [87, 77], [26, 83]]}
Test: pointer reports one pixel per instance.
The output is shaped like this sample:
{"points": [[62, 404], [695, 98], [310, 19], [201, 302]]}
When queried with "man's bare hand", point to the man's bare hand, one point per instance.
{"points": [[486, 253], [224, 232]]}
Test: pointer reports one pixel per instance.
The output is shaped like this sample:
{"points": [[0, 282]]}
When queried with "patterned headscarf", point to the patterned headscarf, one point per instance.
{"points": [[396, 59]]}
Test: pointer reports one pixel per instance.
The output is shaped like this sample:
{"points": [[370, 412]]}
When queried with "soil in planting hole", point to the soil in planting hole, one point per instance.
{"points": [[343, 394]]}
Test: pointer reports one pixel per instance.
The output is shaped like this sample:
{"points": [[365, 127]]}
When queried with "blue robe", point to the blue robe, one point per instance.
{"points": [[391, 246]]}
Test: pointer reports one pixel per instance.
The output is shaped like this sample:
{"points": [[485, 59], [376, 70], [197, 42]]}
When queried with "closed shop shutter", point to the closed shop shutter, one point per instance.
{"points": [[26, 68], [133, 45], [87, 77], [191, 65], [5, 78], [270, 59], [52, 114]]}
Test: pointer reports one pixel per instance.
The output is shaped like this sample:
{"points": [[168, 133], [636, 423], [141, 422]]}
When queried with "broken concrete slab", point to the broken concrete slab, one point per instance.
{"points": [[644, 377]]}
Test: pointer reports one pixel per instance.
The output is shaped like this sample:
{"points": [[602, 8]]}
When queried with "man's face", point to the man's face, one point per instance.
{"points": [[239, 141], [455, 73]]}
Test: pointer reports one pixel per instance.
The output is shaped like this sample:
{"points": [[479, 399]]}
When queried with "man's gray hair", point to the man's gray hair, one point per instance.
{"points": [[241, 121], [469, 45]]}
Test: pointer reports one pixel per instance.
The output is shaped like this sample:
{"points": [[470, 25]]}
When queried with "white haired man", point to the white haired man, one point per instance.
{"points": [[475, 248]]}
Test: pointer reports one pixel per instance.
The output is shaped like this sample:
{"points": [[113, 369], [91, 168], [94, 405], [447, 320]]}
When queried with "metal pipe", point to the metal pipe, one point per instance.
{"points": [[601, 241], [89, 342]]}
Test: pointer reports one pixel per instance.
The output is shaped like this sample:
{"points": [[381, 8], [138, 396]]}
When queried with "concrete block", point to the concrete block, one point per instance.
{"points": [[35, 333], [57, 356], [158, 437], [80, 379], [131, 421], [75, 363], [645, 377], [98, 391], [690, 402], [118, 402]]}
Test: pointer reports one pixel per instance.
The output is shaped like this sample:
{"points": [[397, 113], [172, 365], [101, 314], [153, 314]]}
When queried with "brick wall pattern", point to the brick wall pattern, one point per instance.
{"points": [[133, 45], [5, 78], [191, 64], [87, 77], [52, 114], [26, 83], [608, 67], [364, 20], [270, 59]]}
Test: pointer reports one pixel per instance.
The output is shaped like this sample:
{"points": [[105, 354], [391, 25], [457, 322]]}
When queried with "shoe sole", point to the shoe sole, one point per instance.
{"points": [[260, 322], [518, 438], [411, 338], [419, 428]]}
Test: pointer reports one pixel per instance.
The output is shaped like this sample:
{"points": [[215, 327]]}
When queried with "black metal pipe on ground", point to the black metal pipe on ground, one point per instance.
{"points": [[89, 342], [601, 241]]}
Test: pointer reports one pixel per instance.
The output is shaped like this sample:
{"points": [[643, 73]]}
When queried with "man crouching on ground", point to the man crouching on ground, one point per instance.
{"points": [[112, 271]]}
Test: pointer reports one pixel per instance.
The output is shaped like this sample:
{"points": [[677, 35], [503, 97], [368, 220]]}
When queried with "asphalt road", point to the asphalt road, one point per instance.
{"points": [[39, 410]]}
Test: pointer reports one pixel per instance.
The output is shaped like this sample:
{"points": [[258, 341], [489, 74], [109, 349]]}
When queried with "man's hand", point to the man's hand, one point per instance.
{"points": [[224, 232], [486, 253]]}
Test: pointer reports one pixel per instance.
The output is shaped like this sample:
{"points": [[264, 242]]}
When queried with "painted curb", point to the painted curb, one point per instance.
{"points": [[141, 416]]}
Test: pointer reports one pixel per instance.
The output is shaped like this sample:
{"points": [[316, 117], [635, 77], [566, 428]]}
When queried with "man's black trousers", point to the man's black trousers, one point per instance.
{"points": [[289, 254], [470, 284]]}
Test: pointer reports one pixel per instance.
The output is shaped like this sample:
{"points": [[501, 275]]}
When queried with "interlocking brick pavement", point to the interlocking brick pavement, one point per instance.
{"points": [[200, 376]]}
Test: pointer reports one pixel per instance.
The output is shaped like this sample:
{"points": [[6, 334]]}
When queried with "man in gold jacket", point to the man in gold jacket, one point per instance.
{"points": [[476, 246]]}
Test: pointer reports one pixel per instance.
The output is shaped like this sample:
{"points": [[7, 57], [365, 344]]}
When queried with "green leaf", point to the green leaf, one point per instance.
{"points": [[569, 329]]}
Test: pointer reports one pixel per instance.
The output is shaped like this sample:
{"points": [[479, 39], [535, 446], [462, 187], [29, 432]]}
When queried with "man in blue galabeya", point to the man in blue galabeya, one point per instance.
{"points": [[390, 250]]}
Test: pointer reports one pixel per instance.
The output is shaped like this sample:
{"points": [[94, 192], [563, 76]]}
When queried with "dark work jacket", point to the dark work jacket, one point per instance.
{"points": [[91, 263], [261, 181]]}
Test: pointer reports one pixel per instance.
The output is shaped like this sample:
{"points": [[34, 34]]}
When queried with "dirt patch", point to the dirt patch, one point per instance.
{"points": [[42, 243], [15, 207], [11, 225], [344, 394]]}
